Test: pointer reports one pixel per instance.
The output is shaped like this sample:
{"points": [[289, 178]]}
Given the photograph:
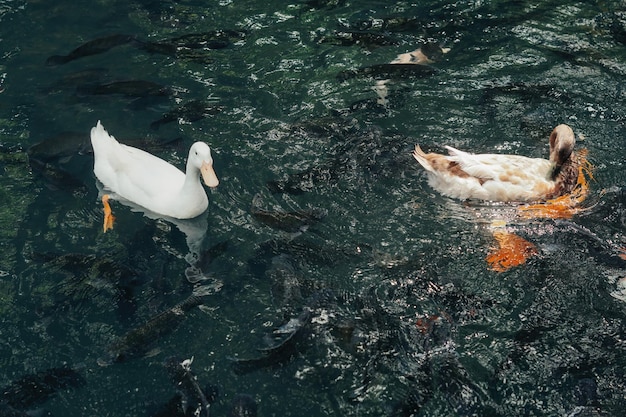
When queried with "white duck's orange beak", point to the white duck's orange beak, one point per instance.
{"points": [[208, 175]]}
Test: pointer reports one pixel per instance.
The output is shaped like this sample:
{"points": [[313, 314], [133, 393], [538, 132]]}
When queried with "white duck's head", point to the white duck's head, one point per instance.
{"points": [[562, 142], [200, 158]]}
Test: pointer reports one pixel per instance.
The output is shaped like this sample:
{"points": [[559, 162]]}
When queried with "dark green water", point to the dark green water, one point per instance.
{"points": [[406, 317]]}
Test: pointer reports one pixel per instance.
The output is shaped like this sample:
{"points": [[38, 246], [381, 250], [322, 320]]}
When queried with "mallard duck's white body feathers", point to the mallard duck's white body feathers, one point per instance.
{"points": [[149, 181], [499, 177]]}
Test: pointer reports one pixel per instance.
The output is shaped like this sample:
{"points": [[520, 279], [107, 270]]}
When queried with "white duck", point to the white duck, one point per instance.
{"points": [[150, 182], [497, 177]]}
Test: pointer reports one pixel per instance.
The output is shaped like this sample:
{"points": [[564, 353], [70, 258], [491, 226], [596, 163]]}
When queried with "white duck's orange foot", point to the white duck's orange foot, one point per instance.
{"points": [[108, 215], [511, 251]]}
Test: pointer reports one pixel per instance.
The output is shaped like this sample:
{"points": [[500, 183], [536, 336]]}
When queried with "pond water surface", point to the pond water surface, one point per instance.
{"points": [[333, 280]]}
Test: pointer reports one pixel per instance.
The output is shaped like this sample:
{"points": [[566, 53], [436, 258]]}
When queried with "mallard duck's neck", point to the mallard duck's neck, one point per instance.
{"points": [[562, 142], [556, 171], [566, 175]]}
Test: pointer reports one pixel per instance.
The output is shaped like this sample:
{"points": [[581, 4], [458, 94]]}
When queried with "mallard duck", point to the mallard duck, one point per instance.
{"points": [[149, 181], [497, 177]]}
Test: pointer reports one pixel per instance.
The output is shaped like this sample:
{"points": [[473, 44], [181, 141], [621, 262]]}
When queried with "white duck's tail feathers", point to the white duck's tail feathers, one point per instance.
{"points": [[453, 151], [470, 161], [420, 157], [99, 133], [99, 136], [457, 155]]}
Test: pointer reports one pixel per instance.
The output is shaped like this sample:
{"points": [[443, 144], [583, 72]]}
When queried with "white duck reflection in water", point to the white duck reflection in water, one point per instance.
{"points": [[195, 232]]}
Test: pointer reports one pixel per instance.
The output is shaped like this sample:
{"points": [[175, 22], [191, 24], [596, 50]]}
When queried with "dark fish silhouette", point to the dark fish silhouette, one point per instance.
{"points": [[49, 159], [34, 389], [90, 277], [617, 29], [243, 405], [193, 398], [139, 340], [386, 71], [288, 221], [284, 342], [94, 47], [208, 40], [189, 112], [389, 23], [7, 411], [286, 281], [411, 64], [70, 81], [161, 48], [355, 156], [173, 408], [128, 88], [325, 4], [284, 345], [305, 181], [178, 46], [181, 46], [204, 259], [526, 92], [311, 251], [55, 176], [62, 145], [360, 38]]}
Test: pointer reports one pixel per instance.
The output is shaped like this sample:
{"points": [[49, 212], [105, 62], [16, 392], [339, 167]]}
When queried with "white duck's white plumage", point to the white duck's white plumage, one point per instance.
{"points": [[149, 181], [498, 177]]}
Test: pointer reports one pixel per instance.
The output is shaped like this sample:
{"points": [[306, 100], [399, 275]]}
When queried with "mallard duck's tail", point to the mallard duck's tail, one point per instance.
{"points": [[420, 157]]}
